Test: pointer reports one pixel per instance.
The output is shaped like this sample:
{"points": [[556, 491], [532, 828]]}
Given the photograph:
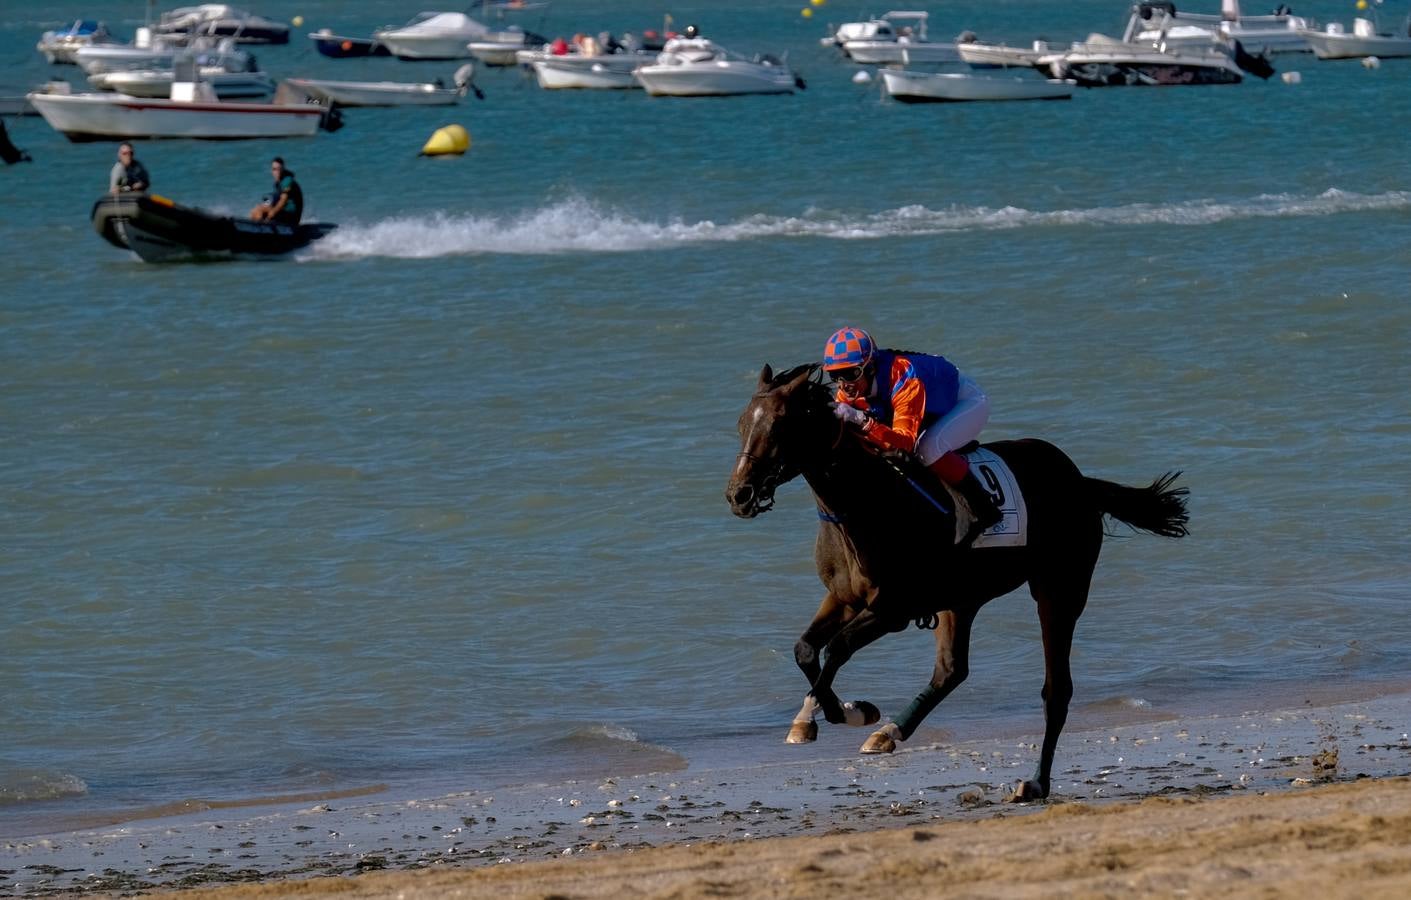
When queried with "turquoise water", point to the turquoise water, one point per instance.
{"points": [[439, 501]]}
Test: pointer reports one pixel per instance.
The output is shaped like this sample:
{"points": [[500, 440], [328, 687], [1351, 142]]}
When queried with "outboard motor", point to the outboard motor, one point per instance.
{"points": [[331, 120], [1254, 63], [465, 81]]}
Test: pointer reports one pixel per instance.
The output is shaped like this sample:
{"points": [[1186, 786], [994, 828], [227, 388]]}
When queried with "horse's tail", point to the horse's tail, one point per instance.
{"points": [[1158, 508]]}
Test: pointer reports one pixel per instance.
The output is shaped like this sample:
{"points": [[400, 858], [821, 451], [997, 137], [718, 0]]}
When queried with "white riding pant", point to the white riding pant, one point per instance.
{"points": [[958, 427]]}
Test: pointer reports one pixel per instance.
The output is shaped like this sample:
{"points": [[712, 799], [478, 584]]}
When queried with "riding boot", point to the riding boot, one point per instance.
{"points": [[981, 502]]}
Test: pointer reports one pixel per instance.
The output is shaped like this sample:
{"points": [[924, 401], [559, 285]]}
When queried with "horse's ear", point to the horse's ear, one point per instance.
{"points": [[766, 376]]}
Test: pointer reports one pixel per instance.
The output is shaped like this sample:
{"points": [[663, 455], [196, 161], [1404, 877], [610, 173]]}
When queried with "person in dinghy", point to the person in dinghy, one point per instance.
{"points": [[285, 202], [915, 402]]}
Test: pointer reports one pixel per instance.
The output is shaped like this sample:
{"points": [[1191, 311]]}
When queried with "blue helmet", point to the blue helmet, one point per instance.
{"points": [[847, 347]]}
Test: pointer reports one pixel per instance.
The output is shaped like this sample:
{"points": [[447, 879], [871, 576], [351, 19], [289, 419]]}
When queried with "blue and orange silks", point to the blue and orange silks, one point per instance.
{"points": [[909, 392]]}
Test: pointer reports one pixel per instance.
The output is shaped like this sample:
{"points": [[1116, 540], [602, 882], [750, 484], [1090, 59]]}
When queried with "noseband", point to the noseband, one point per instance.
{"points": [[771, 479]]}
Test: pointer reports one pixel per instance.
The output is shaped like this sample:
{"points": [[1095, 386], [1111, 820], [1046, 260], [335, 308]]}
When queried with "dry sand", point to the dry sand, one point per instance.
{"points": [[1299, 801]]}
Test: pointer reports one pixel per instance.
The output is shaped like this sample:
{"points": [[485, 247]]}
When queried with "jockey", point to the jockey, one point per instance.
{"points": [[913, 402]]}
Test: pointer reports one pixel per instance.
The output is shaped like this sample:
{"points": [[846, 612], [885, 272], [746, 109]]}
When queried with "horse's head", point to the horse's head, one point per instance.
{"points": [[785, 421]]}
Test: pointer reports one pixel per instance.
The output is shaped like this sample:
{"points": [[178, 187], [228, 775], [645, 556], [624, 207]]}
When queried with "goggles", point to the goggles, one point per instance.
{"points": [[851, 373]]}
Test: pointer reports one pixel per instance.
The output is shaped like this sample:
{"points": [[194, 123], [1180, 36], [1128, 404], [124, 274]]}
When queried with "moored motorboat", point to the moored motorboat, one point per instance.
{"points": [[903, 43], [603, 71], [697, 67], [499, 48], [386, 93], [1104, 61], [147, 52], [338, 46], [878, 29], [433, 35], [226, 21], [59, 45], [191, 111], [1158, 20], [160, 230], [980, 54], [930, 87], [158, 82], [1333, 42]]}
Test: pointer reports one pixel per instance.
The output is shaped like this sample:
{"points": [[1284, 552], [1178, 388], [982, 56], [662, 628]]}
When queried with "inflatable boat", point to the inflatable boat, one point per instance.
{"points": [[160, 230]]}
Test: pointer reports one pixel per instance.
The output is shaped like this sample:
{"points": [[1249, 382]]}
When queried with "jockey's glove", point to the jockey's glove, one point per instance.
{"points": [[850, 414]]}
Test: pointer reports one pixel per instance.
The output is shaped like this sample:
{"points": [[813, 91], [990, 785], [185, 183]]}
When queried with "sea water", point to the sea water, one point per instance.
{"points": [[438, 503]]}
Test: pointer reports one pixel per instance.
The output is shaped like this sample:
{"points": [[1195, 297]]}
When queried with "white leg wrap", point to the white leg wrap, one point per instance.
{"points": [[807, 711], [892, 731], [853, 715]]}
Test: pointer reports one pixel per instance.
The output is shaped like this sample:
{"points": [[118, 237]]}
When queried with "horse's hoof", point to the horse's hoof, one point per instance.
{"points": [[1027, 790], [860, 713], [879, 742], [802, 733]]}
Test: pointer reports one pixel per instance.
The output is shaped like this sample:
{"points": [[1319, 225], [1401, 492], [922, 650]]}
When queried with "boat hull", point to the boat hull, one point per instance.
{"points": [[377, 93], [888, 52], [1352, 46], [923, 87], [109, 117], [337, 46], [158, 230], [495, 53], [714, 78], [421, 47], [591, 73]]}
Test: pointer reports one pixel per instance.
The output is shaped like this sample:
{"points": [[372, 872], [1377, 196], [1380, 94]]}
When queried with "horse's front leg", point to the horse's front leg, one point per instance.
{"points": [[864, 628], [952, 667], [831, 616]]}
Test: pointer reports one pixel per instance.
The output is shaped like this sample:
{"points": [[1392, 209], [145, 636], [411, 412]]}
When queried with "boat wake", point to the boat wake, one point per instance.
{"points": [[578, 225]]}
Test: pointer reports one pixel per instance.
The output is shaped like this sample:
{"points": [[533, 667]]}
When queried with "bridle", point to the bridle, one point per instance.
{"points": [[776, 472]]}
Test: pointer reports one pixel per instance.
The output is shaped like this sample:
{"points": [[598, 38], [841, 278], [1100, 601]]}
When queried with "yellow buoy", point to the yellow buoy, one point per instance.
{"points": [[806, 13], [818, 2], [297, 21], [451, 140], [1361, 4]]}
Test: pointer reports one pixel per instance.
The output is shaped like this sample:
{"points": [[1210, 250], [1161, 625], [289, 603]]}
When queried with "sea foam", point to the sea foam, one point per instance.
{"points": [[580, 225]]}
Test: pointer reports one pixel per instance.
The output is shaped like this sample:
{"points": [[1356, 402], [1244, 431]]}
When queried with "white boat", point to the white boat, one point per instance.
{"points": [[58, 46], [149, 52], [381, 93], [433, 35], [903, 39], [157, 83], [1334, 42], [222, 20], [1278, 32], [192, 111], [1103, 61], [984, 55], [697, 67], [603, 71], [882, 28], [922, 87], [500, 47]]}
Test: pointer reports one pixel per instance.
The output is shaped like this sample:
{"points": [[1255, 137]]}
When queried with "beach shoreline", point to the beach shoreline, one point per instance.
{"points": [[947, 785]]}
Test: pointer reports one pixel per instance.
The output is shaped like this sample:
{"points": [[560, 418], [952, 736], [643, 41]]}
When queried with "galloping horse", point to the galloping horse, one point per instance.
{"points": [[886, 551]]}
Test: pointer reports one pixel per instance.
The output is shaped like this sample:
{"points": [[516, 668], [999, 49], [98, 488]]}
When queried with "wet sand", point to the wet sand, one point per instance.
{"points": [[1295, 801]]}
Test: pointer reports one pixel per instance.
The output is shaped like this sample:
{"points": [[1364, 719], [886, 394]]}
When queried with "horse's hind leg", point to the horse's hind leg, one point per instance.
{"points": [[1059, 610], [952, 667]]}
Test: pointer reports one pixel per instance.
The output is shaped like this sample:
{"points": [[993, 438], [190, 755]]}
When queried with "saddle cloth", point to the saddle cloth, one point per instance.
{"points": [[1013, 529]]}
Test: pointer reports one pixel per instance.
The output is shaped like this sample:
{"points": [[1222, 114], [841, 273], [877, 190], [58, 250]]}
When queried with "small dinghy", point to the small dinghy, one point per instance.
{"points": [[160, 230]]}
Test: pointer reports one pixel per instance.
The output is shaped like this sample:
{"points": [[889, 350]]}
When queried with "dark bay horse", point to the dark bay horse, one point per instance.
{"points": [[887, 553]]}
